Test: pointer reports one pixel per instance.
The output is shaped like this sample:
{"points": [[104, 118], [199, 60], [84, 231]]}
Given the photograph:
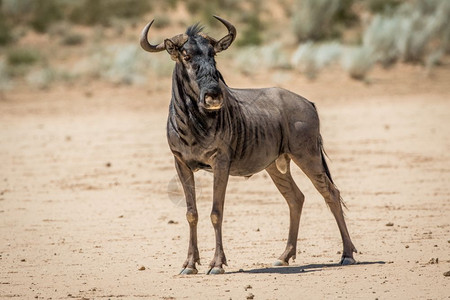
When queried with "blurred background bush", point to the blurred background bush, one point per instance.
{"points": [[47, 42]]}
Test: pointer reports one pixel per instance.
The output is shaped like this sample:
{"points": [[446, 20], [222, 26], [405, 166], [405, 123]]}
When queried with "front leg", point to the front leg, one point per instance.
{"points": [[221, 173], [187, 180]]}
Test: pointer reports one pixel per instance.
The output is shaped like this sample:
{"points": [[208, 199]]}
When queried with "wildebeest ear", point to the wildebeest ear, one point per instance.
{"points": [[171, 48], [224, 43]]}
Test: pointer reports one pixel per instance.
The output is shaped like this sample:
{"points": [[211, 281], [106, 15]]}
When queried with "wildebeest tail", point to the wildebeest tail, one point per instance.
{"points": [[325, 167], [324, 162]]}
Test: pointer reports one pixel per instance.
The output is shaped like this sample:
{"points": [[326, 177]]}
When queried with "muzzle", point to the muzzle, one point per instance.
{"points": [[212, 100]]}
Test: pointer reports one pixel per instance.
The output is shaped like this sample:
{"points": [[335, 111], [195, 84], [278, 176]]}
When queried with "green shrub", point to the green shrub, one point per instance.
{"points": [[380, 6], [254, 27], [345, 14], [73, 39], [44, 14], [22, 56], [90, 12], [5, 31], [313, 19]]}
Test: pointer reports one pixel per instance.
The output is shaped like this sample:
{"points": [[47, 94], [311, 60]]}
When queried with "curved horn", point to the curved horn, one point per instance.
{"points": [[229, 26], [144, 41]]}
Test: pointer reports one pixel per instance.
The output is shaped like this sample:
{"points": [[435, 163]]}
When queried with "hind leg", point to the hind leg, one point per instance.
{"points": [[315, 168], [294, 199]]}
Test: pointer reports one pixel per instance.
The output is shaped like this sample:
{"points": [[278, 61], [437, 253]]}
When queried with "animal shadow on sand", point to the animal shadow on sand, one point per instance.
{"points": [[301, 269]]}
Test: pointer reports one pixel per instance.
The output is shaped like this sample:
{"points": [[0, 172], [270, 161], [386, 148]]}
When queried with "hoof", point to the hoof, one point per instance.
{"points": [[215, 271], [188, 271], [280, 263], [345, 261]]}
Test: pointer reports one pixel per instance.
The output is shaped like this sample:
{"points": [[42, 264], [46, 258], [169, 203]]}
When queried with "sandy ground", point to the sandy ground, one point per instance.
{"points": [[88, 196]]}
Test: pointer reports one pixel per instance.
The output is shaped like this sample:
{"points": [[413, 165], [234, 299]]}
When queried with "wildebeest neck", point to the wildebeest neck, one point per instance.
{"points": [[189, 120], [192, 123]]}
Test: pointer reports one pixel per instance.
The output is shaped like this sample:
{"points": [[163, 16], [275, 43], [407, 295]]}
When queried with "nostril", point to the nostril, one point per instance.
{"points": [[212, 96]]}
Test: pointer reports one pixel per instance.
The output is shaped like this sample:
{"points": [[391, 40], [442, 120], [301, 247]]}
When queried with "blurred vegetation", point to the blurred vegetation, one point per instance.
{"points": [[22, 56], [317, 19], [102, 12], [253, 29], [99, 36]]}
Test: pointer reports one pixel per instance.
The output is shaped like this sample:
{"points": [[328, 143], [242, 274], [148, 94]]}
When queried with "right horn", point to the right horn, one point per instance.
{"points": [[229, 26]]}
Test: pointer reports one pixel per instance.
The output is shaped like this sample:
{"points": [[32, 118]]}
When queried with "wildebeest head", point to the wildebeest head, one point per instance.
{"points": [[194, 53]]}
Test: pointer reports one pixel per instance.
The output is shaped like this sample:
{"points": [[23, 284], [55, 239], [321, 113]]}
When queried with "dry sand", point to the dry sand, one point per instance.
{"points": [[88, 196]]}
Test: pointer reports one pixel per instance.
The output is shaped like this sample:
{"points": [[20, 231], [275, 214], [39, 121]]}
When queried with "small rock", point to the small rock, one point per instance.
{"points": [[241, 270], [247, 287], [108, 164], [172, 222], [407, 246], [447, 274], [257, 229], [434, 261], [120, 217], [23, 260], [339, 252], [142, 268], [390, 224], [250, 296]]}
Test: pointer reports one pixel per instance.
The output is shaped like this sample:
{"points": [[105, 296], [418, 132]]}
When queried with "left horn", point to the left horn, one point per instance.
{"points": [[230, 27], [146, 45]]}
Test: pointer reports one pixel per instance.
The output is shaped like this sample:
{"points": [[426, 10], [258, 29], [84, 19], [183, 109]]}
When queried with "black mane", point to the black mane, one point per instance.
{"points": [[194, 29]]}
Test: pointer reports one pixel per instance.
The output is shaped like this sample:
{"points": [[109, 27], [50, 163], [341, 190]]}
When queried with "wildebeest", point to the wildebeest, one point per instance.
{"points": [[239, 132]]}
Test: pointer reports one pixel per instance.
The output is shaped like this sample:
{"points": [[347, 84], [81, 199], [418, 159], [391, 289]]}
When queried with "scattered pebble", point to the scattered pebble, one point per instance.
{"points": [[108, 164], [407, 246], [241, 270], [339, 252], [120, 217], [23, 260], [390, 224], [172, 222], [250, 296], [257, 229], [447, 274], [142, 268], [247, 287], [434, 261]]}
